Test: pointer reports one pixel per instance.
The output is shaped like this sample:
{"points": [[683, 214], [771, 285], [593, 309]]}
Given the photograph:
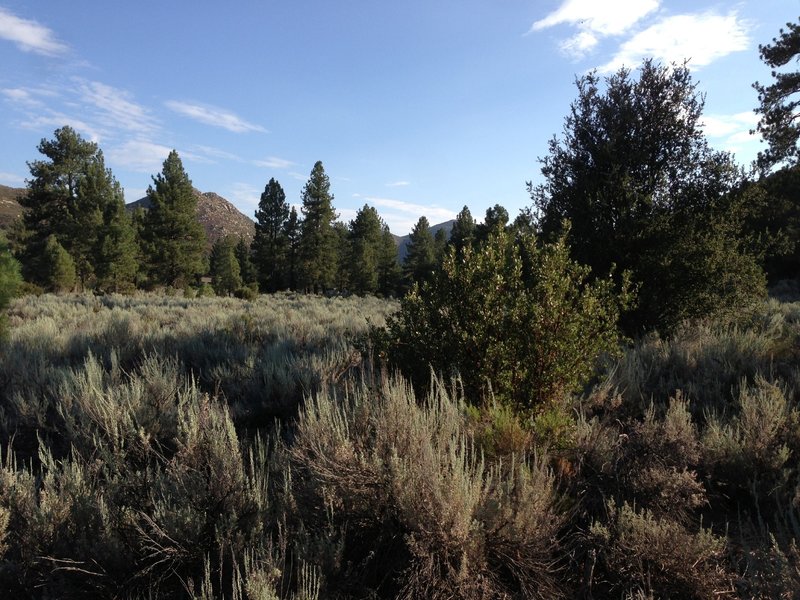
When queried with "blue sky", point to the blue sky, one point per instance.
{"points": [[415, 107]]}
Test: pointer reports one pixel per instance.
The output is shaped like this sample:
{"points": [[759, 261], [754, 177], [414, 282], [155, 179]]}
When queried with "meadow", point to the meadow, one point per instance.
{"points": [[160, 446]]}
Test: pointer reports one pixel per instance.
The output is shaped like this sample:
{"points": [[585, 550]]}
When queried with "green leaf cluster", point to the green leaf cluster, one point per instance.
{"points": [[515, 316]]}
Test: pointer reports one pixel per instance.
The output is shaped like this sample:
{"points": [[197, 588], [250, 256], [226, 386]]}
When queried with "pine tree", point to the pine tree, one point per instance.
{"points": [[390, 275], [225, 274], [495, 220], [246, 267], [59, 268], [318, 242], [174, 237], [51, 204], [420, 260], [366, 245], [292, 230], [104, 232], [10, 279], [270, 243], [440, 245], [463, 233]]}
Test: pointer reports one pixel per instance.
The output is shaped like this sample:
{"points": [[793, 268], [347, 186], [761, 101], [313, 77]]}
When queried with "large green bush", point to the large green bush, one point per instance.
{"points": [[514, 315], [10, 279]]}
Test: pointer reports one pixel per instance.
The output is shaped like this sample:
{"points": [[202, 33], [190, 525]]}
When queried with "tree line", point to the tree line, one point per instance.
{"points": [[631, 186]]}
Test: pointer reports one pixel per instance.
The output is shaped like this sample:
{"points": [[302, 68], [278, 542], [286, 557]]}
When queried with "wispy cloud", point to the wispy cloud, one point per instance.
{"points": [[732, 132], [53, 119], [29, 35], [11, 179], [22, 97], [116, 109], [245, 197], [594, 19], [273, 162], [401, 216], [216, 117], [698, 38], [395, 184], [212, 152], [139, 155]]}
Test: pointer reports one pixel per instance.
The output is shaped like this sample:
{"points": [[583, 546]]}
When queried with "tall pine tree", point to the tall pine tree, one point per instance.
{"points": [[366, 244], [52, 205], [420, 260], [225, 273], [175, 239], [389, 273], [270, 244], [292, 230], [318, 241]]}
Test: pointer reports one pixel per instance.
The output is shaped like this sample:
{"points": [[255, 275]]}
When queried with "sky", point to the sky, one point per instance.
{"points": [[418, 107]]}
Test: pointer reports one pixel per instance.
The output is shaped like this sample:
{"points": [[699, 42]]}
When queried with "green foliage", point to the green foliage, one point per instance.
{"points": [[58, 267], [10, 284], [643, 191], [225, 275], [293, 230], [516, 315], [366, 243], [464, 230], [270, 244], [420, 261], [174, 238], [778, 101], [73, 197], [317, 248], [246, 267]]}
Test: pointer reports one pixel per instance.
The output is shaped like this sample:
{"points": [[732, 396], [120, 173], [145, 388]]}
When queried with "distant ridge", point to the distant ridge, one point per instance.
{"points": [[10, 208], [218, 216]]}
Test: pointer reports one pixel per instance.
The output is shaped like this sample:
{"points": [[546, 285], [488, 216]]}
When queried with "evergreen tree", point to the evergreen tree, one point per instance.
{"points": [[420, 260], [318, 241], [109, 243], [59, 268], [390, 275], [643, 191], [495, 220], [292, 230], [779, 102], [366, 245], [225, 274], [52, 205], [440, 245], [10, 280], [341, 280], [174, 237], [463, 233], [270, 243], [246, 267]]}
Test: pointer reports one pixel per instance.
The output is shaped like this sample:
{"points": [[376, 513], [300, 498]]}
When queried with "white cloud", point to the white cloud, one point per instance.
{"points": [[732, 133], [398, 184], [603, 17], [11, 179], [579, 44], [116, 108], [699, 38], [720, 126], [297, 176], [401, 216], [212, 152], [29, 35], [139, 155], [245, 197], [273, 162], [216, 117], [52, 119]]}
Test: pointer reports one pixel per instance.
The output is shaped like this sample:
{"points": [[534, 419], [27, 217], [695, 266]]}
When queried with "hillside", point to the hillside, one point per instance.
{"points": [[218, 216], [10, 207]]}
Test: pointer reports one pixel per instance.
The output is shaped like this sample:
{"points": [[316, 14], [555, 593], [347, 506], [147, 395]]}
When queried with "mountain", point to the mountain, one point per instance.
{"points": [[218, 216], [10, 207], [402, 241]]}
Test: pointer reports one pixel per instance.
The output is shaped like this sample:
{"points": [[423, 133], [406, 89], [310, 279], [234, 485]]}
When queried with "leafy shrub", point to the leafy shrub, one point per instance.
{"points": [[516, 314]]}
